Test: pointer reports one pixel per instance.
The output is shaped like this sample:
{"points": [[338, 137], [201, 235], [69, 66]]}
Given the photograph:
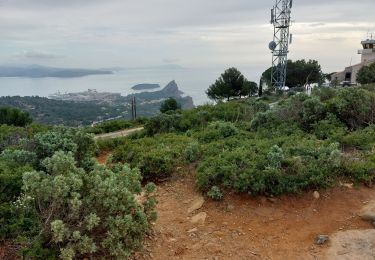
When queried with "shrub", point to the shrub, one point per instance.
{"points": [[286, 167], [330, 127], [163, 123], [225, 129], [169, 105], [15, 117], [12, 223], [275, 157], [354, 107], [21, 157], [155, 164], [325, 94], [215, 193], [312, 112], [85, 213], [192, 152], [268, 119], [154, 156], [361, 168], [81, 144], [361, 139]]}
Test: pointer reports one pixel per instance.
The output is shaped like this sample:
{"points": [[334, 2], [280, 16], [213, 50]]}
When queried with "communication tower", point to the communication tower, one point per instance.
{"points": [[281, 20]]}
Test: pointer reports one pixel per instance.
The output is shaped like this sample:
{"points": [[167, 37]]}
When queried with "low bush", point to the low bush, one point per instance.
{"points": [[363, 139], [360, 168], [192, 152], [12, 224], [15, 117], [86, 214], [154, 156], [283, 168]]}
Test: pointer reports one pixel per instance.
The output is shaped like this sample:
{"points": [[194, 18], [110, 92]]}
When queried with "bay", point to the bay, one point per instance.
{"points": [[193, 82]]}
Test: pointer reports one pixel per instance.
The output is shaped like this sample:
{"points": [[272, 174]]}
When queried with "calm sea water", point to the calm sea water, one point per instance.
{"points": [[192, 82]]}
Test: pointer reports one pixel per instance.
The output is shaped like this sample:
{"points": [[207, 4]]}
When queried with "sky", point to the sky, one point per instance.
{"points": [[207, 34]]}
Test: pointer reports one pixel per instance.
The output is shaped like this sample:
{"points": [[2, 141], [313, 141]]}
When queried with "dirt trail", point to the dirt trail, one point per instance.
{"points": [[117, 134], [242, 227]]}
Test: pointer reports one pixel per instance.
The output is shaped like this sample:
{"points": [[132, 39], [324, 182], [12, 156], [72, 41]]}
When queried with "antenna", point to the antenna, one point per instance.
{"points": [[281, 20]]}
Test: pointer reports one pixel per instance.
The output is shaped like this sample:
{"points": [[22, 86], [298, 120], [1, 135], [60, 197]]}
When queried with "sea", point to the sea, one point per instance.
{"points": [[193, 82]]}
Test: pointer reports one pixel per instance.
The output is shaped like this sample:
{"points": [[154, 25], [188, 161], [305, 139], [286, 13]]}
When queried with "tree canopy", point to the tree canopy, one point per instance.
{"points": [[366, 74], [15, 117], [169, 104], [299, 73], [231, 84]]}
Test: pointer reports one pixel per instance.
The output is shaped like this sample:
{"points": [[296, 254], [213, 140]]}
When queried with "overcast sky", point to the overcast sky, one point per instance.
{"points": [[194, 33]]}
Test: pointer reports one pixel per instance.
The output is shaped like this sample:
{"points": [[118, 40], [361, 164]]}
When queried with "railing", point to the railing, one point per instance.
{"points": [[366, 51]]}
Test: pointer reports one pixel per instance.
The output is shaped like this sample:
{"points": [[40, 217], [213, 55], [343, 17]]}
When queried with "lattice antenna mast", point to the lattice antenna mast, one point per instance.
{"points": [[281, 20]]}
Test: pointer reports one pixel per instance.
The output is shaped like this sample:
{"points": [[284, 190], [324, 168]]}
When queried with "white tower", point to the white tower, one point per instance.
{"points": [[368, 51]]}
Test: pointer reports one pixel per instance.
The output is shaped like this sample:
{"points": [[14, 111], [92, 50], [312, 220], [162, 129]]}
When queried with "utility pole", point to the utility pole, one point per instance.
{"points": [[281, 20], [134, 109]]}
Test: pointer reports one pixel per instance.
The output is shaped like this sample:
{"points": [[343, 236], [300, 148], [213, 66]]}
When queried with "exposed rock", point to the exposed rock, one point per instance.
{"points": [[172, 89], [230, 207], [348, 185], [368, 211], [321, 239], [199, 218], [193, 230], [272, 199], [197, 204], [316, 195], [353, 245]]}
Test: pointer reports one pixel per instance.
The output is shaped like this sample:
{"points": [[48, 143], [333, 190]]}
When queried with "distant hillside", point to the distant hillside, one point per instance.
{"points": [[36, 71], [89, 108]]}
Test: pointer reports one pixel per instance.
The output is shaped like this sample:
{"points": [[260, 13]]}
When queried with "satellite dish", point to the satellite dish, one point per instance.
{"points": [[272, 45]]}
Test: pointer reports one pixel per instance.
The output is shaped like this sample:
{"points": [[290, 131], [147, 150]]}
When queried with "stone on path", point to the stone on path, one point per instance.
{"points": [[199, 218], [368, 211], [316, 195], [321, 239], [197, 204], [352, 245]]}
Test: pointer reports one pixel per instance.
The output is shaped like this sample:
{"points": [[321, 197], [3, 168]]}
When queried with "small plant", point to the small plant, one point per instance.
{"points": [[275, 157], [192, 152], [226, 129], [215, 193]]}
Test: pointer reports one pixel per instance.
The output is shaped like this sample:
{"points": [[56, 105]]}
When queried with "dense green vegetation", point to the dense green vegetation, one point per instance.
{"points": [[12, 116], [366, 74], [299, 73], [169, 104], [248, 146], [57, 202]]}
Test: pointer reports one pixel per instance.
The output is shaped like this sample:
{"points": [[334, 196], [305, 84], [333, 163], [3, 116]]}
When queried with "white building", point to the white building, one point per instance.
{"points": [[349, 75]]}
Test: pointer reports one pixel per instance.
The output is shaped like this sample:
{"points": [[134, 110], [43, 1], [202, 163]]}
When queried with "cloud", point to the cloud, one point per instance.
{"points": [[171, 60], [38, 55], [209, 33]]}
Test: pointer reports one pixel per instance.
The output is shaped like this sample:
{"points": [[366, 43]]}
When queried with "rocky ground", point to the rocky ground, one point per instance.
{"points": [[241, 227]]}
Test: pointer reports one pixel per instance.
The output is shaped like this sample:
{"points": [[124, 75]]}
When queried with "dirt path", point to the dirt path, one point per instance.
{"points": [[241, 227], [121, 133]]}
